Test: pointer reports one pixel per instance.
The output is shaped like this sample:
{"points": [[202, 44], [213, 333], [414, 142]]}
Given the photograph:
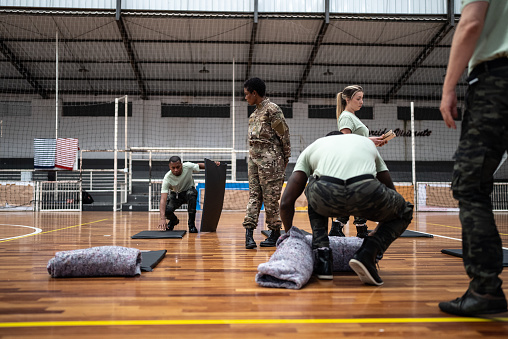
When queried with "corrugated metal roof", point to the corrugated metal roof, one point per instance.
{"points": [[420, 7]]}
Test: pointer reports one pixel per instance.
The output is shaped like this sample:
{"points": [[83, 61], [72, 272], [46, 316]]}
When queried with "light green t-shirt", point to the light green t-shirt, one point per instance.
{"points": [[341, 156], [182, 182], [493, 42], [351, 121]]}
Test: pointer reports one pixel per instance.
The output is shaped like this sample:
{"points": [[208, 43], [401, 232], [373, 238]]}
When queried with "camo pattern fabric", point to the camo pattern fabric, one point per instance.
{"points": [[269, 152], [483, 141], [369, 198], [96, 262]]}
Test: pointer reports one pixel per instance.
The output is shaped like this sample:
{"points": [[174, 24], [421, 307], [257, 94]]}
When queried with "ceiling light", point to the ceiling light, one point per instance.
{"points": [[204, 70], [328, 72]]}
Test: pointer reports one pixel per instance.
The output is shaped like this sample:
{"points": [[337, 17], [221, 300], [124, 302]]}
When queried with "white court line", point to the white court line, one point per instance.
{"points": [[37, 230], [442, 236]]}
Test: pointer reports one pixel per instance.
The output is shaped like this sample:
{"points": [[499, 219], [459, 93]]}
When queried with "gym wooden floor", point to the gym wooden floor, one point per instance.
{"points": [[205, 285]]}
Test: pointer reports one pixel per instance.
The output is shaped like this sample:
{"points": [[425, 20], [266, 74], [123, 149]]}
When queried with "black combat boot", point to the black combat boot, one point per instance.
{"points": [[271, 241], [361, 230], [323, 263], [172, 223], [336, 230], [192, 223], [473, 304], [364, 262], [193, 229], [249, 239]]}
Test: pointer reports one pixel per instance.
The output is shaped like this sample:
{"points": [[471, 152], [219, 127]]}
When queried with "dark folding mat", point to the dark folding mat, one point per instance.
{"points": [[215, 185], [416, 234], [150, 259], [267, 233], [159, 234], [413, 234], [458, 253]]}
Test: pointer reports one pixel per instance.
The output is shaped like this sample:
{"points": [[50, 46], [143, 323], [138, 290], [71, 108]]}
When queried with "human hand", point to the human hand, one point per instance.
{"points": [[162, 224], [448, 108], [378, 141]]}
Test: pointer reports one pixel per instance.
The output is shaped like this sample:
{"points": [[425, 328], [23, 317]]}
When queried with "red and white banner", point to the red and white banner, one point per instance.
{"points": [[66, 153]]}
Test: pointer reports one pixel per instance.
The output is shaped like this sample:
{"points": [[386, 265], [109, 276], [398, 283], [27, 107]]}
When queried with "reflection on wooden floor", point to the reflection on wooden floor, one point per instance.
{"points": [[205, 285]]}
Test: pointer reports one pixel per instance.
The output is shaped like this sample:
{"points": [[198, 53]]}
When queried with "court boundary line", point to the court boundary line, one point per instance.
{"points": [[84, 323], [59, 229], [37, 231]]}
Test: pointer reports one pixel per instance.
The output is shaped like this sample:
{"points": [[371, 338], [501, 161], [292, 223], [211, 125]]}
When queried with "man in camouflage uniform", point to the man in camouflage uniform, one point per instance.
{"points": [[481, 39], [269, 152], [346, 176]]}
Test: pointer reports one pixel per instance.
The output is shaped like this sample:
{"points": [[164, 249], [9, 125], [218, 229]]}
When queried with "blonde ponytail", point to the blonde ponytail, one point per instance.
{"points": [[341, 104]]}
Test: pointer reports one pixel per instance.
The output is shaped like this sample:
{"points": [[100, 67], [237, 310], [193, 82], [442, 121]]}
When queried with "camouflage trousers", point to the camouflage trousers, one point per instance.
{"points": [[175, 200], [369, 198], [483, 140], [266, 177]]}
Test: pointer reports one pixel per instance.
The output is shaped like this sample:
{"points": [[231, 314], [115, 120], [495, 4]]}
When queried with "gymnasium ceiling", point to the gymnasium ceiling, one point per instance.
{"points": [[302, 58]]}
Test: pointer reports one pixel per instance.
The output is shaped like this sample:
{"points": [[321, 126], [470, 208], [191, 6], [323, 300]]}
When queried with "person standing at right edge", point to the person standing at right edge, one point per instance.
{"points": [[269, 152], [349, 101], [481, 38]]}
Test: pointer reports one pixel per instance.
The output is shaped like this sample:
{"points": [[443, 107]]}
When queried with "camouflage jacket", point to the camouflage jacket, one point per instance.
{"points": [[267, 126]]}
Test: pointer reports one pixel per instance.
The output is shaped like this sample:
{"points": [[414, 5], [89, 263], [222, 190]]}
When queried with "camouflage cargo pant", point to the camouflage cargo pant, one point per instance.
{"points": [[175, 200], [266, 176], [369, 198], [483, 140]]}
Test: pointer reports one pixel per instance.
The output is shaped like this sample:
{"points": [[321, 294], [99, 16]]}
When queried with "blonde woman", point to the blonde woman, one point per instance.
{"points": [[349, 101]]}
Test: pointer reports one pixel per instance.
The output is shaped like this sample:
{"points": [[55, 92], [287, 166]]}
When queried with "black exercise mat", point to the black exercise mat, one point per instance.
{"points": [[150, 259], [458, 253], [416, 234], [159, 235], [215, 185], [413, 234], [267, 233]]}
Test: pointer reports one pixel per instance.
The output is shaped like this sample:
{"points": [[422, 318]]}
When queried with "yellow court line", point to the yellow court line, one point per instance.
{"points": [[59, 229], [248, 322]]}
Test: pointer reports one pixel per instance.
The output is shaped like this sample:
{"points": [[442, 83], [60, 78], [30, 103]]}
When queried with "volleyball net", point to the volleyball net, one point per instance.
{"points": [[183, 75]]}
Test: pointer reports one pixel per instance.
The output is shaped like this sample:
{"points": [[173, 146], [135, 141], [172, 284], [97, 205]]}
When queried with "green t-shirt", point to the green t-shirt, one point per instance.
{"points": [[351, 121], [341, 156], [493, 42], [182, 182]]}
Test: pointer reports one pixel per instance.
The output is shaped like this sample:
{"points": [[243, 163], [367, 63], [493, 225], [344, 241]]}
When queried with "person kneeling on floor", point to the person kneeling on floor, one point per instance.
{"points": [[347, 176], [180, 182]]}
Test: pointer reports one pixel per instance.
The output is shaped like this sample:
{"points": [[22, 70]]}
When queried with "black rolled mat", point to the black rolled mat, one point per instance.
{"points": [[159, 235], [267, 233], [458, 253], [150, 259], [215, 185]]}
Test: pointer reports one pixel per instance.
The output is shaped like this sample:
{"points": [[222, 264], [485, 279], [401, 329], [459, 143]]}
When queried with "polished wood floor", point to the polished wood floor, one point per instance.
{"points": [[205, 287]]}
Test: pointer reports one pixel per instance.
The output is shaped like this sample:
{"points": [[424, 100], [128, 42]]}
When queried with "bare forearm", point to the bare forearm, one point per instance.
{"points": [[287, 212], [464, 42]]}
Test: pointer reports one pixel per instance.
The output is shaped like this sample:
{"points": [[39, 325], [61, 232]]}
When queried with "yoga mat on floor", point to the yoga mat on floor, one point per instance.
{"points": [[215, 185], [267, 233], [150, 259], [458, 253], [159, 235], [416, 234], [412, 234]]}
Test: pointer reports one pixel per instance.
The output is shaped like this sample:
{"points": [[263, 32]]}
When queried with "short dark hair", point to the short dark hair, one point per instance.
{"points": [[255, 84], [175, 158], [334, 133]]}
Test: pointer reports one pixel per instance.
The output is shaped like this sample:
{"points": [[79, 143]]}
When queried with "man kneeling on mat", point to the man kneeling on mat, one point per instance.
{"points": [[347, 176], [180, 182]]}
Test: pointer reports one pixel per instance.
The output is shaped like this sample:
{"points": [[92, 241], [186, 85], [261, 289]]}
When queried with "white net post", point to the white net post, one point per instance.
{"points": [[413, 155]]}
